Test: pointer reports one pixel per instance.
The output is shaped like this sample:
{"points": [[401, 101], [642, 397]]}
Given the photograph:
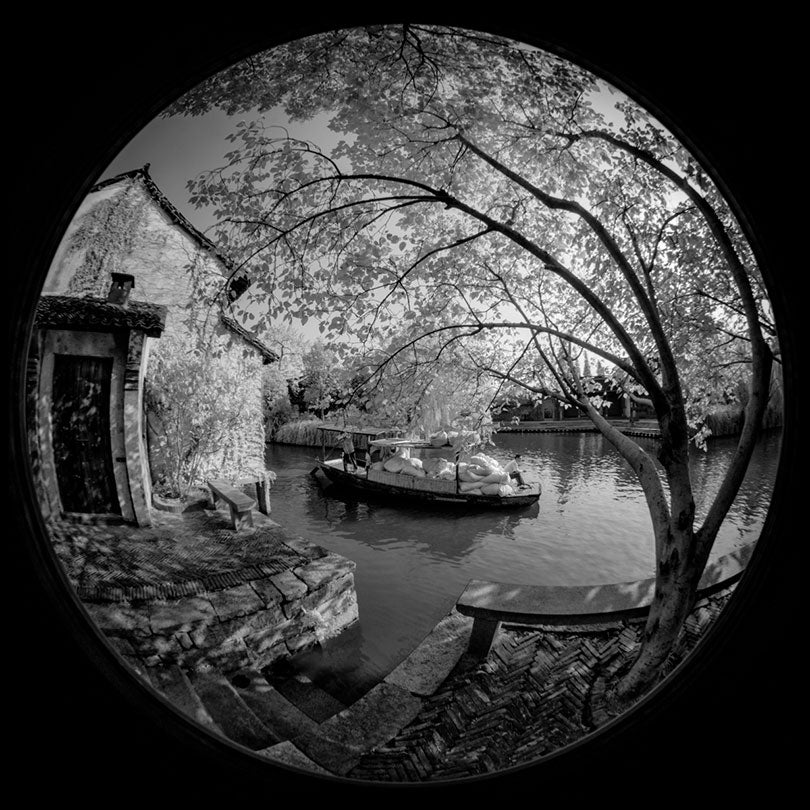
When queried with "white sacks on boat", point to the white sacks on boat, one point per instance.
{"points": [[446, 471], [432, 466], [495, 478], [497, 489], [468, 473], [481, 475], [412, 466], [398, 460], [394, 464], [482, 469], [485, 465]]}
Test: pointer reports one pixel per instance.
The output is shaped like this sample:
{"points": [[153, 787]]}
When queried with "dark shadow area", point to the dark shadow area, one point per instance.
{"points": [[83, 716]]}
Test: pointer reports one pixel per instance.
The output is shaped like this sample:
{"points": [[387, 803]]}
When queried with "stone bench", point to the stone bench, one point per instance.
{"points": [[490, 603], [261, 482], [241, 505]]}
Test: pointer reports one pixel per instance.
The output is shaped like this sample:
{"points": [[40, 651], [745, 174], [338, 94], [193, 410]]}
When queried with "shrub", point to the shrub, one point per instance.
{"points": [[197, 403]]}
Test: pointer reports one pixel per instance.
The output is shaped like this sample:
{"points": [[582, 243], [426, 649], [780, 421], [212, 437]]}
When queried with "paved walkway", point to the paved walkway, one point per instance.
{"points": [[538, 690], [439, 715], [179, 555]]}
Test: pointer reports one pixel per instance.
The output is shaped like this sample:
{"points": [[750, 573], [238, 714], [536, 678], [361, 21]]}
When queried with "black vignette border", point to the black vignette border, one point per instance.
{"points": [[83, 88]]}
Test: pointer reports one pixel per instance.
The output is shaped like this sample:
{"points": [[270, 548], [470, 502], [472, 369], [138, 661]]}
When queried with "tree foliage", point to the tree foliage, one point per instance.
{"points": [[320, 381], [197, 406], [427, 388], [289, 346], [493, 202]]}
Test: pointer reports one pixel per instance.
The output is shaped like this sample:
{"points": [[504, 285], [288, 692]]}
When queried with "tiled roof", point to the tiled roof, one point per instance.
{"points": [[60, 311], [268, 354]]}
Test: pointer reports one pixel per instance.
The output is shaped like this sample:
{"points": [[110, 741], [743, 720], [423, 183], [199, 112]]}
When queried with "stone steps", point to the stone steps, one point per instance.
{"points": [[276, 712], [426, 668], [176, 687], [295, 723], [339, 743], [231, 713], [309, 698]]}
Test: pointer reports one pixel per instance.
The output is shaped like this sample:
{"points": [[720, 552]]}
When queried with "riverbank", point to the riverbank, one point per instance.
{"points": [[191, 591], [432, 718], [306, 433], [591, 525], [642, 428]]}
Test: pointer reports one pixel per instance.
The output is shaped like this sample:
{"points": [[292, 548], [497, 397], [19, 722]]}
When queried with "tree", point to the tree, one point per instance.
{"points": [[431, 387], [493, 199], [319, 381], [195, 396], [279, 376]]}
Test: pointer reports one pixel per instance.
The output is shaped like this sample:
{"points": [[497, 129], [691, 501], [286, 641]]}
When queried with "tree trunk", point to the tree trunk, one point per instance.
{"points": [[676, 558], [674, 597]]}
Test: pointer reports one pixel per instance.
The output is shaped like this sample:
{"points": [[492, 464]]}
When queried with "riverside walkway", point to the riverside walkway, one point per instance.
{"points": [[441, 714], [641, 428]]}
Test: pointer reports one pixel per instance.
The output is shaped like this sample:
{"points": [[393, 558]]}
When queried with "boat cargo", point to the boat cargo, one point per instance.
{"points": [[426, 471]]}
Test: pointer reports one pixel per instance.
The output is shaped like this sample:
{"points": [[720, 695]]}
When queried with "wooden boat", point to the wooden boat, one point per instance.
{"points": [[393, 485]]}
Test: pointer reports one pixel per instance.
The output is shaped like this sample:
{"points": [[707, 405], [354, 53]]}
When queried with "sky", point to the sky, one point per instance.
{"points": [[177, 149], [180, 147]]}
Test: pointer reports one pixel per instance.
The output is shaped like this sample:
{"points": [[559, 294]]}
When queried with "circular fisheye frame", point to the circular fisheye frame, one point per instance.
{"points": [[405, 405]]}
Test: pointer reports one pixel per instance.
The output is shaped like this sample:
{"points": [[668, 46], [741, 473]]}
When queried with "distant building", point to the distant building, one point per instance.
{"points": [[616, 405], [130, 272]]}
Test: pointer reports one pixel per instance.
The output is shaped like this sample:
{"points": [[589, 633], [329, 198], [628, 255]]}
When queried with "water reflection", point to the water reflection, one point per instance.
{"points": [[591, 526], [369, 521]]}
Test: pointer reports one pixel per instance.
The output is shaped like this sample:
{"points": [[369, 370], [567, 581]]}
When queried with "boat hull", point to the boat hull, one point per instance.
{"points": [[358, 482]]}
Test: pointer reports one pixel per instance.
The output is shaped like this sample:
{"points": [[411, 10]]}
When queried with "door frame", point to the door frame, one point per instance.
{"points": [[96, 344]]}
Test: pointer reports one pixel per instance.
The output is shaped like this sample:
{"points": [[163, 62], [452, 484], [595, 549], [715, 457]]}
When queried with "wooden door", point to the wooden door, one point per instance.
{"points": [[81, 434]]}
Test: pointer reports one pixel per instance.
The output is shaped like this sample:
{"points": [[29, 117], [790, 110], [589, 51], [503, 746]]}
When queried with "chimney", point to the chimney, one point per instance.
{"points": [[122, 283]]}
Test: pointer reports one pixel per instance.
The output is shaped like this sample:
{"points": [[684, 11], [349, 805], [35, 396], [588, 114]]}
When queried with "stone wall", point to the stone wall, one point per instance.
{"points": [[253, 623]]}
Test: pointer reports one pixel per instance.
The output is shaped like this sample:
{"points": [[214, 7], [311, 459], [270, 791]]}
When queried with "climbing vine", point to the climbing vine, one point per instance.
{"points": [[106, 235]]}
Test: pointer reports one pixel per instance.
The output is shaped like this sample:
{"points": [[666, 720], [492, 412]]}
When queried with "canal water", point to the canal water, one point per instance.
{"points": [[590, 526]]}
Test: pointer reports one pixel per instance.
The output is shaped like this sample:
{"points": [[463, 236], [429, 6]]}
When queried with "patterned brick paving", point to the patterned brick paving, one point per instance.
{"points": [[180, 555], [537, 691]]}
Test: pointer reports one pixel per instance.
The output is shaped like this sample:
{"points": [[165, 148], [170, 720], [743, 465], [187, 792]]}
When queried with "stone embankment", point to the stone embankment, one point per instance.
{"points": [[439, 715], [306, 433], [190, 592], [270, 616]]}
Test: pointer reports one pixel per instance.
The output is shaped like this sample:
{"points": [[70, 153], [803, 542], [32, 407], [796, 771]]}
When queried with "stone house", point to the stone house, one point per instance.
{"points": [[131, 282]]}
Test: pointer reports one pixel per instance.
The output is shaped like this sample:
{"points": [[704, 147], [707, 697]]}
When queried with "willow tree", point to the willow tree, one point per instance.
{"points": [[497, 199]]}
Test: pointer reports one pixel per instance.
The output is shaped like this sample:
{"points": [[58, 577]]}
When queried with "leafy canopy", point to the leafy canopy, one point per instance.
{"points": [[480, 185]]}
